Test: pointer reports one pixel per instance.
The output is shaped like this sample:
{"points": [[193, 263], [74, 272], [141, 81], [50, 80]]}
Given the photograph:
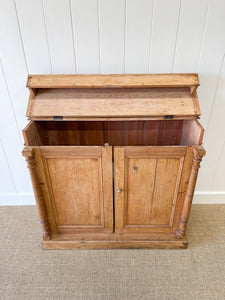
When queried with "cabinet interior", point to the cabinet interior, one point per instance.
{"points": [[115, 133]]}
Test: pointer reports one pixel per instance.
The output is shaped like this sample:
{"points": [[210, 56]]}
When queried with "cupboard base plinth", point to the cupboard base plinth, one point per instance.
{"points": [[116, 243]]}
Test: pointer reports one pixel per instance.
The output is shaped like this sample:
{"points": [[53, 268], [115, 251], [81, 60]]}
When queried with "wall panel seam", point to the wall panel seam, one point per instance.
{"points": [[72, 23], [11, 103], [99, 39], [151, 33], [203, 36], [177, 34], [7, 162], [125, 35], [217, 166], [20, 34], [46, 34], [215, 94]]}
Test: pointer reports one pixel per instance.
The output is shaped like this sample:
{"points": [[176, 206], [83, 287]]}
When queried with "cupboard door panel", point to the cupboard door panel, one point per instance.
{"points": [[150, 179], [79, 187], [167, 179], [79, 181], [140, 186]]}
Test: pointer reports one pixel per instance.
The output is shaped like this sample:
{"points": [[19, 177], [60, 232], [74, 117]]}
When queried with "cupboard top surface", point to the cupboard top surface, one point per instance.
{"points": [[113, 96]]}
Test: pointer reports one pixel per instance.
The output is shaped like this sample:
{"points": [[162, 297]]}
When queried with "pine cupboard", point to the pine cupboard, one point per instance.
{"points": [[113, 159]]}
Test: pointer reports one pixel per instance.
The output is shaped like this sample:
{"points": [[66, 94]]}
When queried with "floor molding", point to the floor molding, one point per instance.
{"points": [[209, 198], [8, 199]]}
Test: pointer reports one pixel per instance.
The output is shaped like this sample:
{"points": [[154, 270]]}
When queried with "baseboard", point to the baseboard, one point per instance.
{"points": [[8, 199], [209, 198]]}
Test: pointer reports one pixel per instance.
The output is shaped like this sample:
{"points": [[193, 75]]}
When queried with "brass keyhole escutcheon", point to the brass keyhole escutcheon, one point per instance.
{"points": [[119, 191]]}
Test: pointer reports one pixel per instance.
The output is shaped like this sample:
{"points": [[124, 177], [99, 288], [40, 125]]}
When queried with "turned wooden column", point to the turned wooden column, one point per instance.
{"points": [[42, 212], [199, 152]]}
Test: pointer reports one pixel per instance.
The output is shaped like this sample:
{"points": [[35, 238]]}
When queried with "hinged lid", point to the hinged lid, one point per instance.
{"points": [[142, 96]]}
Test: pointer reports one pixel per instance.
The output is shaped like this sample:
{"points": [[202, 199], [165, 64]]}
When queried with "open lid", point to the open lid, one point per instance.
{"points": [[142, 96]]}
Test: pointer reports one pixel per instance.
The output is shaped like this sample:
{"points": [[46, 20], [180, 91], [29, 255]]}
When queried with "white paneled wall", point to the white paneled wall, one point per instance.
{"points": [[110, 36]]}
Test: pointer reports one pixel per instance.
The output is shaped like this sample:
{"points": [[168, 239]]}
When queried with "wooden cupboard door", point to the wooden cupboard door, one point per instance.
{"points": [[77, 187], [150, 183]]}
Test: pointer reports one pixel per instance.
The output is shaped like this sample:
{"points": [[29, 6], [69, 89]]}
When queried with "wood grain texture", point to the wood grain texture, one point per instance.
{"points": [[143, 159], [139, 189], [76, 191], [79, 181], [115, 133], [149, 178], [199, 152], [192, 133], [185, 175], [114, 80], [119, 184], [40, 202], [113, 244], [167, 179], [113, 102]]}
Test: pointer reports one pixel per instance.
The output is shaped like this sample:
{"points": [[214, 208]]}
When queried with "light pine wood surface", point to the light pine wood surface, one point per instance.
{"points": [[113, 184]]}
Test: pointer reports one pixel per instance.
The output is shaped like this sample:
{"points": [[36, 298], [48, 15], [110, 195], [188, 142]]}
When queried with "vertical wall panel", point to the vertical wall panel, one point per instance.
{"points": [[164, 33], [190, 34], [6, 182], [10, 138], [86, 35], [215, 137], [218, 183], [13, 61], [112, 27], [32, 25], [60, 37], [110, 36], [211, 56], [137, 37]]}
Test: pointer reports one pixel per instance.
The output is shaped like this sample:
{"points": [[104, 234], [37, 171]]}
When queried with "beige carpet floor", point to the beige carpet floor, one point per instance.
{"points": [[28, 272]]}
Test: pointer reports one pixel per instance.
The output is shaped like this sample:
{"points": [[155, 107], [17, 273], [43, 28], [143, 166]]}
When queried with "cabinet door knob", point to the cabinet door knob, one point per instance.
{"points": [[119, 191]]}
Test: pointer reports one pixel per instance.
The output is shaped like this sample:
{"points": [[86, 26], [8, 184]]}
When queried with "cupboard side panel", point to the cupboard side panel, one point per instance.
{"points": [[192, 133], [32, 134]]}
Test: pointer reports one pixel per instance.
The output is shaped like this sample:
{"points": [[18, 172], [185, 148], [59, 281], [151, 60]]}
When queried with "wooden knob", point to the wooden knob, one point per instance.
{"points": [[119, 191]]}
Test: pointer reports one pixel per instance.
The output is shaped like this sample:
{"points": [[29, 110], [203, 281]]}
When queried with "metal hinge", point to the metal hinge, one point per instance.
{"points": [[58, 118], [170, 117]]}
